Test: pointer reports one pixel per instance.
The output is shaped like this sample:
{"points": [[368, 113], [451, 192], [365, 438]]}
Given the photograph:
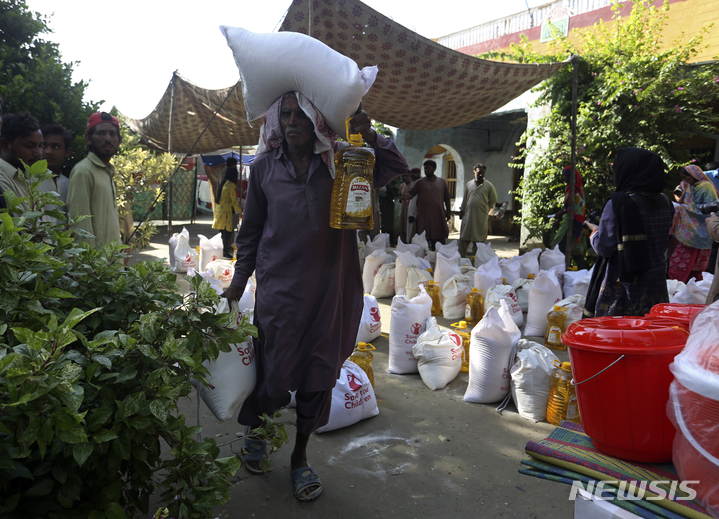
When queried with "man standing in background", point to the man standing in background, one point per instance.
{"points": [[479, 197], [432, 194], [20, 142], [55, 150], [92, 188]]}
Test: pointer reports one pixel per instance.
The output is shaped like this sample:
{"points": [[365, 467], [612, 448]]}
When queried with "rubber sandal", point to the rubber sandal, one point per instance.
{"points": [[306, 478], [254, 450]]}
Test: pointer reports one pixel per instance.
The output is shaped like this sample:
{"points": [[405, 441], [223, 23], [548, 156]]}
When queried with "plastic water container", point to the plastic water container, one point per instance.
{"points": [[562, 403], [362, 356], [621, 373]]}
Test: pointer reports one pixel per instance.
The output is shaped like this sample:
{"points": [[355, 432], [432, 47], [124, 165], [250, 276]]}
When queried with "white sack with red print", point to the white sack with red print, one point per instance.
{"points": [[408, 321], [211, 249], [544, 294], [353, 398], [384, 281], [185, 256], [371, 322], [499, 293], [439, 355], [222, 270], [232, 376], [454, 296]]}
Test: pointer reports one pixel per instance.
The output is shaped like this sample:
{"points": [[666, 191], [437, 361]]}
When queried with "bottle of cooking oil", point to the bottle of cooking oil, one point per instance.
{"points": [[433, 291], [362, 356], [351, 206], [562, 404], [474, 310], [555, 329], [461, 329]]}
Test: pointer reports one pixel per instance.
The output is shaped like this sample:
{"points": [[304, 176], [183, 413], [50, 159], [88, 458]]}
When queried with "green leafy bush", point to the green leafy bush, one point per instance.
{"points": [[93, 360]]}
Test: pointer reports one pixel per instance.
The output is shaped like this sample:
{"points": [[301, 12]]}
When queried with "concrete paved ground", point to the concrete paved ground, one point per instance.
{"points": [[428, 454]]}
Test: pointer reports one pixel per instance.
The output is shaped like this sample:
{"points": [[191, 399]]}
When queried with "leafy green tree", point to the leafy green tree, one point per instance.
{"points": [[635, 90], [34, 78]]}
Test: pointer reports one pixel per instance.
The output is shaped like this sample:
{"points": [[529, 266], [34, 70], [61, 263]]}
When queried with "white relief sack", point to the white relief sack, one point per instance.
{"points": [[581, 285], [454, 296], [372, 263], [529, 263], [416, 276], [674, 286], [247, 301], [484, 254], [415, 249], [510, 269], [543, 295], [692, 294], [499, 293], [466, 270], [353, 398], [431, 256], [493, 270], [447, 266], [370, 326], [570, 278], [232, 375], [211, 249], [421, 240], [384, 281], [222, 270], [510, 325], [521, 289], [407, 322], [299, 63], [439, 355], [558, 272], [552, 258], [489, 354], [172, 245], [447, 249], [531, 376], [405, 259], [573, 309], [185, 256]]}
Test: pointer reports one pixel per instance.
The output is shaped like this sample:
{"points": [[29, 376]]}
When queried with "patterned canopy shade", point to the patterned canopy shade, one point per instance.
{"points": [[192, 108], [421, 85]]}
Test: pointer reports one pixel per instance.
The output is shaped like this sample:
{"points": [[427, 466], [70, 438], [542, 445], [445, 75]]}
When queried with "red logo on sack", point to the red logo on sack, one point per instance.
{"points": [[188, 258], [227, 272], [214, 257], [455, 338], [416, 328], [374, 312], [354, 382]]}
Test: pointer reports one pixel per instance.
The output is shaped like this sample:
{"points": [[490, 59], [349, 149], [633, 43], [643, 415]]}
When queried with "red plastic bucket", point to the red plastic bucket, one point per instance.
{"points": [[678, 312], [620, 367]]}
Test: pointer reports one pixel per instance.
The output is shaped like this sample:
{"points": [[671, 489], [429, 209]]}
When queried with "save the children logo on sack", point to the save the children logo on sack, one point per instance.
{"points": [[354, 382], [374, 312], [247, 353], [416, 328], [455, 338], [359, 394]]}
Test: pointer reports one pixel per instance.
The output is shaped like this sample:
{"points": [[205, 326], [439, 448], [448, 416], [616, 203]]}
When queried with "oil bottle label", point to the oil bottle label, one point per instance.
{"points": [[572, 408], [468, 311], [554, 335], [359, 198]]}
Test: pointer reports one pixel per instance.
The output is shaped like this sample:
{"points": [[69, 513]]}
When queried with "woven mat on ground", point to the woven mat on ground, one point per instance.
{"points": [[568, 455]]}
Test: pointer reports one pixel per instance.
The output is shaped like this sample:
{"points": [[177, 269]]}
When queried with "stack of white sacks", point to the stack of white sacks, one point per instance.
{"points": [[500, 363]]}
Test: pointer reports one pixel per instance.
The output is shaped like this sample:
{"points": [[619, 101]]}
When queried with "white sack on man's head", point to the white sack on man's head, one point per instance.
{"points": [[272, 64]]}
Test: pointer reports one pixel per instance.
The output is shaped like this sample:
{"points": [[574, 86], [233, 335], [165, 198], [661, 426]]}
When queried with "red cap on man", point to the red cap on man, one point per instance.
{"points": [[102, 117]]}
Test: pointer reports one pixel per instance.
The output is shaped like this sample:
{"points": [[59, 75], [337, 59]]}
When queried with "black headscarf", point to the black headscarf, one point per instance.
{"points": [[636, 172]]}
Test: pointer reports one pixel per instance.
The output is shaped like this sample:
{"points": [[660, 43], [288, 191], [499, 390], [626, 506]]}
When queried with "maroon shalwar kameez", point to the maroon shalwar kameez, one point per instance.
{"points": [[309, 285], [432, 195]]}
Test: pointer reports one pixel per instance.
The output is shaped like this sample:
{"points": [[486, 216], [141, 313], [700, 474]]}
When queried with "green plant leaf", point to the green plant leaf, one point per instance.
{"points": [[114, 511], [158, 409], [41, 488], [82, 451]]}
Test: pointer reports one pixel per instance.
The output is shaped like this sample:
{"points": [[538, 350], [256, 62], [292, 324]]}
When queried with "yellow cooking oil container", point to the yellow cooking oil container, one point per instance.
{"points": [[562, 404], [474, 309], [362, 356], [351, 206], [461, 329], [555, 329], [433, 291]]}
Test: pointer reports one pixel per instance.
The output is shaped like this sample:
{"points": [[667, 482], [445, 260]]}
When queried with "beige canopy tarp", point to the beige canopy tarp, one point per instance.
{"points": [[421, 85]]}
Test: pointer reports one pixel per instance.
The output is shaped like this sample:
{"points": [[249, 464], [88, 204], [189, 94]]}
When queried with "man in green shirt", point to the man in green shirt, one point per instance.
{"points": [[92, 189], [20, 142]]}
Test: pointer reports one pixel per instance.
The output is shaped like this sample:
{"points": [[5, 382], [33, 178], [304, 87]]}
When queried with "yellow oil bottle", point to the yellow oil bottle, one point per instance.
{"points": [[461, 329], [362, 356], [433, 291], [351, 206], [562, 404], [474, 310], [555, 329]]}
